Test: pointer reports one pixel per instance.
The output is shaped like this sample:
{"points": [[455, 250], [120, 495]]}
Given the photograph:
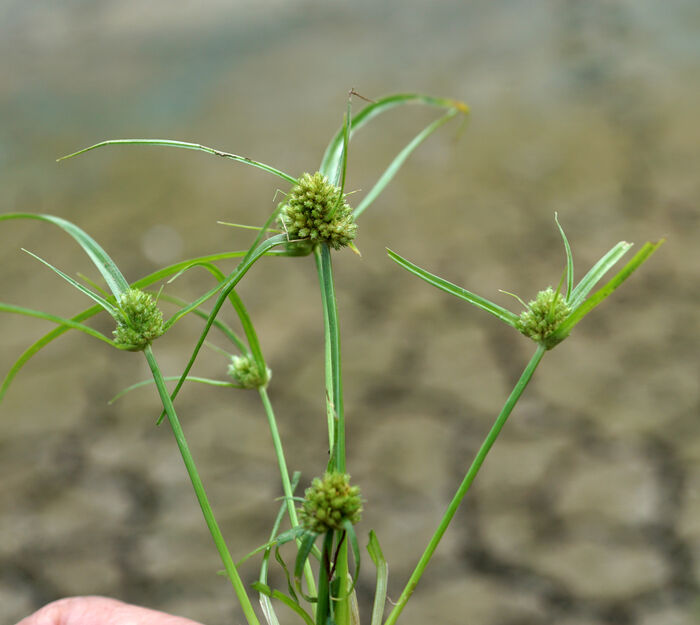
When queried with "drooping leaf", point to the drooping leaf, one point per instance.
{"points": [[112, 310], [333, 153], [497, 311], [106, 266], [172, 378], [187, 146], [68, 323], [399, 160]]}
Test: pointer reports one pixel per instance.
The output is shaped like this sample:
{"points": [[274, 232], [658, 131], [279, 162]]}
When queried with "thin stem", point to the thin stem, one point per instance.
{"points": [[334, 385], [342, 606], [230, 567], [466, 483], [323, 603], [284, 473], [224, 290]]}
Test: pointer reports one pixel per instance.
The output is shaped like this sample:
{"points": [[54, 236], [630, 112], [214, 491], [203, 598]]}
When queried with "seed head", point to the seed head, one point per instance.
{"points": [[329, 502], [315, 210], [542, 316], [246, 372], [139, 322]]}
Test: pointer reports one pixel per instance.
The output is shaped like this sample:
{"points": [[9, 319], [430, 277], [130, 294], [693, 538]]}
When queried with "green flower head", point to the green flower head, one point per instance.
{"points": [[315, 210], [542, 317], [246, 372], [139, 321], [329, 502]]}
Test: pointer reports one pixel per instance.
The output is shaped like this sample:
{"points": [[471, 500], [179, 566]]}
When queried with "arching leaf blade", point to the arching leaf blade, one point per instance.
{"points": [[605, 291], [333, 153], [187, 146], [94, 296], [399, 160], [497, 311], [596, 273], [106, 266]]}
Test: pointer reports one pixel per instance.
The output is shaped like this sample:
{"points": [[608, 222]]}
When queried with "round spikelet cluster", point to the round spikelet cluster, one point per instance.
{"points": [[315, 210], [140, 321], [246, 372], [329, 502], [542, 316]]}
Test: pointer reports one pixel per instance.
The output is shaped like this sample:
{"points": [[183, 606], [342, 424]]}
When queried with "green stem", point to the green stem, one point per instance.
{"points": [[284, 473], [466, 483], [199, 490], [323, 603], [334, 385], [342, 605]]}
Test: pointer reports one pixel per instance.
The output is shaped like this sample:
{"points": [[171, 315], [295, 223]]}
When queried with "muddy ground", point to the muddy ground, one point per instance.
{"points": [[587, 511]]}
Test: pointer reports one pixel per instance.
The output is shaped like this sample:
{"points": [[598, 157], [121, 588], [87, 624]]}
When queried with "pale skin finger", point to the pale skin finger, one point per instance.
{"points": [[92, 610]]}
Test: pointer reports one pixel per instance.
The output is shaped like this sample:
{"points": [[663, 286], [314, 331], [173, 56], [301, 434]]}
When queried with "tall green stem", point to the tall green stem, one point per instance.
{"points": [[323, 602], [334, 385], [213, 526], [466, 483], [284, 473], [335, 409]]}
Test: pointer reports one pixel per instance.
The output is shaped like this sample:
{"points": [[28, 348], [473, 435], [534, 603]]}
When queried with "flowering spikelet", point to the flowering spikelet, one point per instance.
{"points": [[315, 210], [542, 316], [140, 321], [329, 502], [246, 372]]}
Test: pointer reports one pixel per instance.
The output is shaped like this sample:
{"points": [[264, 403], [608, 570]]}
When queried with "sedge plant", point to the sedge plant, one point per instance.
{"points": [[314, 219]]}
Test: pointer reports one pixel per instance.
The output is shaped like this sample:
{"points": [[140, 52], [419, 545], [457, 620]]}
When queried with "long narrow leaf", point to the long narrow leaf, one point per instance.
{"points": [[68, 323], [594, 275], [338, 177], [333, 154], [43, 342], [569, 260], [399, 160], [375, 552], [579, 313], [94, 296], [304, 550], [187, 146], [497, 311], [172, 378], [106, 266]]}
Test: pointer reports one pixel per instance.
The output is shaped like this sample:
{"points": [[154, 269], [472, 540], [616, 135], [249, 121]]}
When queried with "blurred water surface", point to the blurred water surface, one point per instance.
{"points": [[586, 513]]}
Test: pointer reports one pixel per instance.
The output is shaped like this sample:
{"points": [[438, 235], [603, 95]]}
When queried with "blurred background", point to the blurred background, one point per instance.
{"points": [[587, 512]]}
